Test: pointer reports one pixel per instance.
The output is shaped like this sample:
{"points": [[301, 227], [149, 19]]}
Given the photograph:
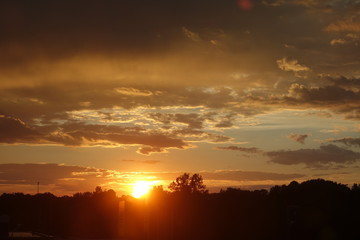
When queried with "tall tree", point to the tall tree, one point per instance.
{"points": [[188, 184]]}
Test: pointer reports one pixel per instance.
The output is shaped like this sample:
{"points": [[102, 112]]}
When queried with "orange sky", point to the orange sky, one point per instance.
{"points": [[247, 93]]}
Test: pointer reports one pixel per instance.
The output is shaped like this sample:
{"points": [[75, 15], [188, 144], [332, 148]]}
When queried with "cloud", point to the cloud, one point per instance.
{"points": [[238, 175], [338, 41], [193, 120], [227, 121], [194, 135], [335, 130], [87, 59], [351, 83], [325, 94], [300, 138], [227, 175], [333, 97], [63, 179], [149, 150], [56, 178], [347, 25], [241, 149], [134, 92], [80, 134], [348, 141], [326, 156], [13, 130], [291, 65], [191, 35]]}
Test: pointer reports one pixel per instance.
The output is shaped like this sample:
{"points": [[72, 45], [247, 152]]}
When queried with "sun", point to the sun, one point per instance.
{"points": [[141, 188]]}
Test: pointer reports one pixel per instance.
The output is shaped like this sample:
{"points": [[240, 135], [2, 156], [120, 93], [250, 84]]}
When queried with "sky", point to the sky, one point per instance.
{"points": [[248, 94]]}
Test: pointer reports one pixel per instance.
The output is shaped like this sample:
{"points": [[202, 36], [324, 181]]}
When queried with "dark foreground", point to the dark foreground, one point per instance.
{"points": [[315, 209]]}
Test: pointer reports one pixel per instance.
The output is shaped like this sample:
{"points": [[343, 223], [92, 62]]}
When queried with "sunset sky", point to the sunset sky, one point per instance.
{"points": [[247, 93]]}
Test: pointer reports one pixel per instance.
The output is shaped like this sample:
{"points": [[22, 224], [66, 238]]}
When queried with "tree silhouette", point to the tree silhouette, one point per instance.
{"points": [[188, 184]]}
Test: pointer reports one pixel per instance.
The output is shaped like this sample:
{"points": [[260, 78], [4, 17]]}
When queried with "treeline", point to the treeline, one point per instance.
{"points": [[315, 209]]}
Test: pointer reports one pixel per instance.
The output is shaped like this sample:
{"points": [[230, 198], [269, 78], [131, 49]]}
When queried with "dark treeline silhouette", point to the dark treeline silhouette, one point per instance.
{"points": [[314, 209]]}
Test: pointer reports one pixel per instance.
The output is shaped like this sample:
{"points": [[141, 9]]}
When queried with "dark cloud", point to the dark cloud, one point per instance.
{"points": [[320, 95], [64, 29], [348, 141], [194, 135], [31, 173], [227, 121], [14, 130], [325, 156], [193, 120], [334, 97], [80, 134], [231, 175], [59, 58], [241, 149], [50, 101], [237, 175], [344, 82], [62, 179], [300, 138], [149, 150]]}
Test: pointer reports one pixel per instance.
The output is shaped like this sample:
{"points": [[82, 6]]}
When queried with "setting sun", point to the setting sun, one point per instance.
{"points": [[141, 188]]}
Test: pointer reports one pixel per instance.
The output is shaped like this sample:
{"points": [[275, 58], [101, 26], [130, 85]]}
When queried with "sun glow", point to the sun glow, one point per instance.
{"points": [[141, 188]]}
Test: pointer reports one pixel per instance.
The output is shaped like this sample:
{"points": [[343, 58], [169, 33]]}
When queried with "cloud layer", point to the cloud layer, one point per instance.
{"points": [[62, 179], [326, 156], [155, 77]]}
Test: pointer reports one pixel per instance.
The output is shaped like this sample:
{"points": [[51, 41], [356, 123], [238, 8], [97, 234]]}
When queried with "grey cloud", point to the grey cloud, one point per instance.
{"points": [[46, 174], [227, 121], [63, 29], [344, 82], [237, 175], [13, 130], [335, 98], [192, 119], [149, 150], [325, 156], [241, 149], [78, 134], [327, 94], [233, 175], [348, 141], [50, 101], [201, 136], [298, 137]]}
